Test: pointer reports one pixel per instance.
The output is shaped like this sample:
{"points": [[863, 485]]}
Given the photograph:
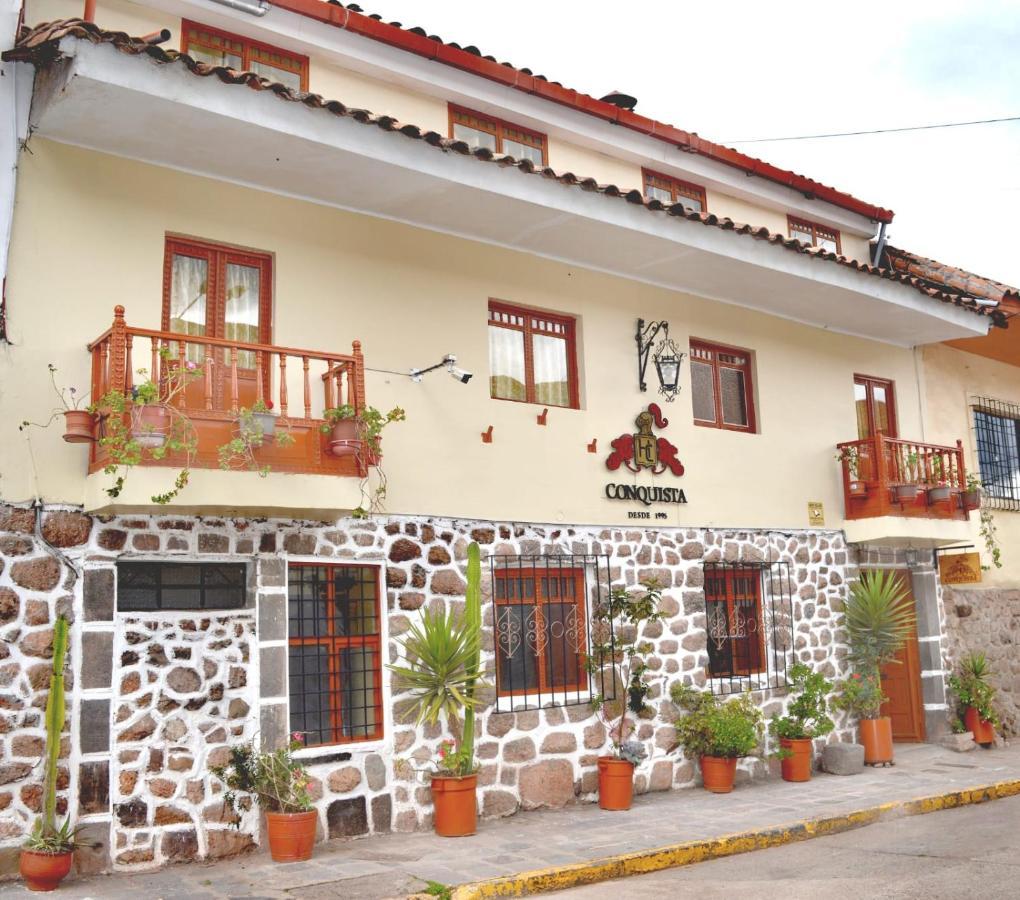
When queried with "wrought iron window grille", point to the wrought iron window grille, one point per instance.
{"points": [[750, 626], [549, 651], [997, 436], [152, 586]]}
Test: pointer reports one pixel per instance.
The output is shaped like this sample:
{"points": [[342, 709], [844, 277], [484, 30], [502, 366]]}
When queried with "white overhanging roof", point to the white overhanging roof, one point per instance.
{"points": [[133, 106]]}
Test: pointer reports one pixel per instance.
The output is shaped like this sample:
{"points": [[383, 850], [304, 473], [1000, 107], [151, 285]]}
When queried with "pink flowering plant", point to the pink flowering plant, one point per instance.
{"points": [[276, 781]]}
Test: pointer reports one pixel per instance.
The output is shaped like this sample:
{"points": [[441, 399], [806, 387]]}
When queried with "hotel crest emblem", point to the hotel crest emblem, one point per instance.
{"points": [[644, 450]]}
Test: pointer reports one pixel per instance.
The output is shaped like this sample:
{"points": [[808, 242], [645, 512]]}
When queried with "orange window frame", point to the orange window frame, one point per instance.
{"points": [[816, 230], [335, 643], [676, 186], [528, 327], [538, 599], [498, 128], [869, 383], [248, 49], [754, 642], [717, 365]]}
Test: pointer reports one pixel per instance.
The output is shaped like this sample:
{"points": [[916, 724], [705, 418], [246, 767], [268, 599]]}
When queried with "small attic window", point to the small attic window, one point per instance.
{"points": [[498, 136], [220, 48], [814, 234], [667, 189]]}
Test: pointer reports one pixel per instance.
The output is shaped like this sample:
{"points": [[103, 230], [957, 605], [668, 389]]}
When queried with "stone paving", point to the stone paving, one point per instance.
{"points": [[397, 864]]}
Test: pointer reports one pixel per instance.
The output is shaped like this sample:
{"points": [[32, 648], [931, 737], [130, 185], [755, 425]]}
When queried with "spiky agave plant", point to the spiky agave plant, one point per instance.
{"points": [[879, 618], [443, 653]]}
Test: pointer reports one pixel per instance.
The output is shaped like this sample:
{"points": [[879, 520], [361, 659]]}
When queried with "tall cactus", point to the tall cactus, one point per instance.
{"points": [[55, 712], [473, 621]]}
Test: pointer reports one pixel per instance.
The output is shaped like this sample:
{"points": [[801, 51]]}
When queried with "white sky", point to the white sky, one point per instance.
{"points": [[733, 69]]}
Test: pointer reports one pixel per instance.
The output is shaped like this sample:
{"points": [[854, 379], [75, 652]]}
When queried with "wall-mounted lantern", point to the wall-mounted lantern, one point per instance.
{"points": [[667, 358]]}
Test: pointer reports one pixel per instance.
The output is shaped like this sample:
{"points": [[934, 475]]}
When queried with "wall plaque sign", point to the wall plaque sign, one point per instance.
{"points": [[815, 513], [645, 452], [960, 568]]}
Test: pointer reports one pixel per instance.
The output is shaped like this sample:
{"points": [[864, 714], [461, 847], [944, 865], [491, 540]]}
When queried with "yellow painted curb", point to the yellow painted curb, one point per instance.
{"points": [[675, 855]]}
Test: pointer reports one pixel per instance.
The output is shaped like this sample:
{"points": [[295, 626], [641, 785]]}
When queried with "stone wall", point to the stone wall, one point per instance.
{"points": [[988, 621], [159, 697]]}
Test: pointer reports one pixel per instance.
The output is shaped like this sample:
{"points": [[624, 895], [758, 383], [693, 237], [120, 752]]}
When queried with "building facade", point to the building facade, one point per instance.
{"points": [[311, 207]]}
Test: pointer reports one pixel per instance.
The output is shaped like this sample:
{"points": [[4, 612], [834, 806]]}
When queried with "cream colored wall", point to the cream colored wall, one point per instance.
{"points": [[113, 15], [89, 233], [951, 378]]}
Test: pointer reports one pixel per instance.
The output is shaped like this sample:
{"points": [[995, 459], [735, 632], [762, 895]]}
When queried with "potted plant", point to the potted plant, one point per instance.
{"points": [[717, 733], [879, 618], [910, 487], [47, 854], [976, 694], [851, 457], [443, 672], [263, 415], [806, 719], [617, 626], [351, 433], [239, 451], [79, 424], [939, 489], [279, 785], [970, 499]]}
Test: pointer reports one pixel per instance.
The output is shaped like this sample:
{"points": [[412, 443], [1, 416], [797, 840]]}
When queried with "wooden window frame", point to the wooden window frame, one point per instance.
{"points": [[498, 128], [249, 50], [570, 338], [535, 574], [715, 349], [890, 386], [730, 598], [814, 228], [677, 187], [336, 643]]}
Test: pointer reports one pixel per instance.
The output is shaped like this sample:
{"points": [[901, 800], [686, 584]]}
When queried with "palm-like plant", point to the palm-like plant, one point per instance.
{"points": [[879, 618]]}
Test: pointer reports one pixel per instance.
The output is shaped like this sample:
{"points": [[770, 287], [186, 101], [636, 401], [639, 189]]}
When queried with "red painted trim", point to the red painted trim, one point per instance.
{"points": [[357, 23]]}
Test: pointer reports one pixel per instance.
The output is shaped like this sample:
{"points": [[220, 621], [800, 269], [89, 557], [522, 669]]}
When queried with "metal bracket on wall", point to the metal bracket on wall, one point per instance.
{"points": [[487, 435]]}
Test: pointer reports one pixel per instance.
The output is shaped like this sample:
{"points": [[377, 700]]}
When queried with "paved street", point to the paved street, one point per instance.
{"points": [[972, 852]]}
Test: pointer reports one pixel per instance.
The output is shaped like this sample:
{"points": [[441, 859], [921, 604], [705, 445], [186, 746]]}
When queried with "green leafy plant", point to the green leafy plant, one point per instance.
{"points": [[711, 727], [443, 671], [861, 695], [957, 726], [239, 451], [47, 836], [807, 715], [972, 687], [438, 889], [617, 626], [911, 468], [851, 457], [275, 780], [989, 534]]}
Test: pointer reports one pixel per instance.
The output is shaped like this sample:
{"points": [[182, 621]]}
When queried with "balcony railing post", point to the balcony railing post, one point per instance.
{"points": [[881, 464], [358, 377], [118, 351], [961, 474]]}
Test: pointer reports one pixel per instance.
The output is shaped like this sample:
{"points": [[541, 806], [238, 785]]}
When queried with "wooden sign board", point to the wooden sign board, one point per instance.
{"points": [[960, 568]]}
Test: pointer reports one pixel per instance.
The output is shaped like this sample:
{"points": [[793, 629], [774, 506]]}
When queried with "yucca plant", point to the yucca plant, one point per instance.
{"points": [[972, 687], [879, 618], [443, 671]]}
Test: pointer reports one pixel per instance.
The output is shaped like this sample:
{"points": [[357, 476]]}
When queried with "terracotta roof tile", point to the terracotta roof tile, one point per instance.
{"points": [[40, 46], [942, 275]]}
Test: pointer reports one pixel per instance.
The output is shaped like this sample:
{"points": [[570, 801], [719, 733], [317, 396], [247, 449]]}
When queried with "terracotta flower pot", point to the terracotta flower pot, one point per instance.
{"points": [[971, 500], [78, 426], [291, 835], [616, 783], [876, 736], [150, 425], [718, 773], [44, 871], [343, 439], [797, 766], [456, 806], [982, 729]]}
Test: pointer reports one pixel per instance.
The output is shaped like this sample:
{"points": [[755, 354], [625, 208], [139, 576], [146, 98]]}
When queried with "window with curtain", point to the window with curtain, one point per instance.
{"points": [[997, 434], [721, 389], [497, 136], [736, 630], [672, 190], [220, 48], [532, 356], [813, 234]]}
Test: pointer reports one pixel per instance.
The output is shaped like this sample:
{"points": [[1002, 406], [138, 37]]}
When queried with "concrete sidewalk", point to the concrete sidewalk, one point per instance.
{"points": [[398, 864]]}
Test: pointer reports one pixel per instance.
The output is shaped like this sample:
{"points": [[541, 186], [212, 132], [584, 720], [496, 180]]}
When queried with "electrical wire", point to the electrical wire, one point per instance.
{"points": [[813, 137]]}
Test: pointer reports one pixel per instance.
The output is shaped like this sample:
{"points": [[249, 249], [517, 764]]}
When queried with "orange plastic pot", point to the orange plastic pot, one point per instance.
{"points": [[44, 871], [797, 766], [876, 736], [455, 804], [77, 426], [982, 729], [291, 835], [616, 783], [718, 773], [343, 439]]}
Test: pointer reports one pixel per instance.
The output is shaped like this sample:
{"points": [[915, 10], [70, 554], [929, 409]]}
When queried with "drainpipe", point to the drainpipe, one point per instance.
{"points": [[256, 9], [90, 11], [879, 247]]}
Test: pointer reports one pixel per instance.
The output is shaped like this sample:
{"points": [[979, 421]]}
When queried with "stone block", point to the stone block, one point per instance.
{"points": [[272, 672], [382, 813], [273, 617], [94, 726], [97, 593], [179, 846], [93, 853], [549, 784], [843, 759], [94, 788], [959, 743], [273, 726], [347, 818], [96, 659]]}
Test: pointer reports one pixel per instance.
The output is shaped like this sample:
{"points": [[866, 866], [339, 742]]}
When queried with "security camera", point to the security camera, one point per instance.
{"points": [[461, 376]]}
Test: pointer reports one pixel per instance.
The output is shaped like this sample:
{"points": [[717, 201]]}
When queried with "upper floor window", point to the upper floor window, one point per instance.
{"points": [[997, 431], [498, 136], [532, 356], [814, 234], [672, 190], [721, 388], [220, 48]]}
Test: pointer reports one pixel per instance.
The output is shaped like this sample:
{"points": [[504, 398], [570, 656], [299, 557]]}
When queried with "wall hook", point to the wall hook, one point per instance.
{"points": [[593, 446], [543, 416], [487, 435]]}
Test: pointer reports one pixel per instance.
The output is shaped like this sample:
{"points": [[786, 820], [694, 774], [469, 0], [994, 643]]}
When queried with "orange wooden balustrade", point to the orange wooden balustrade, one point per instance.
{"points": [[874, 467], [218, 377]]}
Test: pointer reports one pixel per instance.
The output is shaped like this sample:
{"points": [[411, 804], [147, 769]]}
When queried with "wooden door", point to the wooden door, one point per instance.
{"points": [[875, 406], [901, 682]]}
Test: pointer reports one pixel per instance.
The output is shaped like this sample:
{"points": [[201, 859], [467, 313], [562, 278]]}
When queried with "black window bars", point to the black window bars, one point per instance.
{"points": [[151, 586], [997, 434]]}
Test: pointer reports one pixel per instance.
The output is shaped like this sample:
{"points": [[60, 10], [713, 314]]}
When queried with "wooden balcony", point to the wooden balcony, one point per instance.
{"points": [[217, 378], [885, 476]]}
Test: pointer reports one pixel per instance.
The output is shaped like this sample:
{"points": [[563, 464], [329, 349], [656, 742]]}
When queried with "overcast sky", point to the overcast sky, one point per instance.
{"points": [[735, 70]]}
